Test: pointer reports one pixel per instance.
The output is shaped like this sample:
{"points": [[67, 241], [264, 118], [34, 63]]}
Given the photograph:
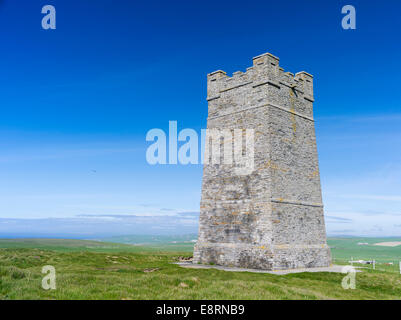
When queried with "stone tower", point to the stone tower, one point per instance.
{"points": [[272, 217]]}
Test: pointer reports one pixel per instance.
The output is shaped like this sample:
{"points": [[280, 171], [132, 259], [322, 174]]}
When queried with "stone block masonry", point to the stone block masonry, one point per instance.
{"points": [[271, 218]]}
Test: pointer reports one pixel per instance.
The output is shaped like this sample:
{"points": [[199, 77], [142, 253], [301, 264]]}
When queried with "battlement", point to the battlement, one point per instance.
{"points": [[265, 69]]}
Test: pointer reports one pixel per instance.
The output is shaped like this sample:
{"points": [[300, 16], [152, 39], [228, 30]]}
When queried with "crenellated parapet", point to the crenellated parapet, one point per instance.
{"points": [[263, 83], [265, 67]]}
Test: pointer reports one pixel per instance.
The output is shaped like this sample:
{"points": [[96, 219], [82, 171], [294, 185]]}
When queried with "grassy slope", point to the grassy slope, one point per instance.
{"points": [[114, 271], [345, 249], [89, 245], [169, 243], [69, 245]]}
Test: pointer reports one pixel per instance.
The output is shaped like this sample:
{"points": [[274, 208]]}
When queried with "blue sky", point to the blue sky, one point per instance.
{"points": [[78, 101]]}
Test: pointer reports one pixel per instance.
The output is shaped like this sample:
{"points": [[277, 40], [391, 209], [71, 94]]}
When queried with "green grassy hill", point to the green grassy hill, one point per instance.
{"points": [[160, 242], [97, 270], [64, 245], [343, 249]]}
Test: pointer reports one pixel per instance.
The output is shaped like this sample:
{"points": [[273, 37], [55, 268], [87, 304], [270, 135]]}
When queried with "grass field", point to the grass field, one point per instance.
{"points": [[346, 249], [169, 243], [101, 270]]}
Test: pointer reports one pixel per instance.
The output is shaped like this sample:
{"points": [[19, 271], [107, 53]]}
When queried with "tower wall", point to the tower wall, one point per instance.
{"points": [[271, 217]]}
